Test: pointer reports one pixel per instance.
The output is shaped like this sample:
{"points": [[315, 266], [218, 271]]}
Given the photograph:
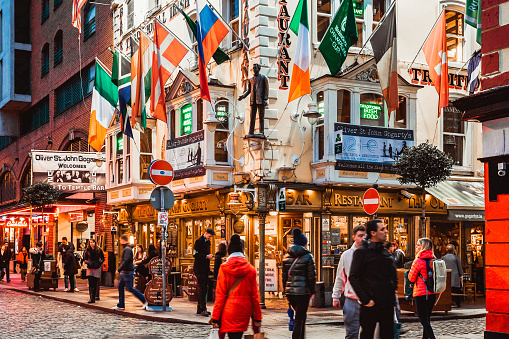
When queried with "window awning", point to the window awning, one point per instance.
{"points": [[466, 195]]}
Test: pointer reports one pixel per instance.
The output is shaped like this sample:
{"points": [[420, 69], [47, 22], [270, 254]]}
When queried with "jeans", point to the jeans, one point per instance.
{"points": [[126, 280], [72, 280], [351, 312], [381, 314], [300, 304], [203, 284], [424, 308], [66, 281], [5, 272]]}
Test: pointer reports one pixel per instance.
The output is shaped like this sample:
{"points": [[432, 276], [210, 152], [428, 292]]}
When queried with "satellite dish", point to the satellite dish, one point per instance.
{"points": [[81, 226]]}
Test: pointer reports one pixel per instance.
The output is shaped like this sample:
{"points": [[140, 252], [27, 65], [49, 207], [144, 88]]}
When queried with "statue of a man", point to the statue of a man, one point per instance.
{"points": [[258, 86]]}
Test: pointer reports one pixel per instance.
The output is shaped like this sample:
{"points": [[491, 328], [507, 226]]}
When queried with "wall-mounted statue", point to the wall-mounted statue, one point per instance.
{"points": [[258, 86]]}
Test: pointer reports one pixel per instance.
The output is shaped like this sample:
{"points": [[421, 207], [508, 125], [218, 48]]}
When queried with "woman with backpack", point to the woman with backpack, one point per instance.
{"points": [[424, 299], [299, 280], [94, 258]]}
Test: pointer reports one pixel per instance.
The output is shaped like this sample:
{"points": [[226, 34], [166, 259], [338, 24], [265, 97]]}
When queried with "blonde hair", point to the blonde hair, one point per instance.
{"points": [[426, 244]]}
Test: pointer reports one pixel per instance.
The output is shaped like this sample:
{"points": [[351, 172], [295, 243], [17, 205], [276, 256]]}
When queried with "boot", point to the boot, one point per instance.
{"points": [[92, 297]]}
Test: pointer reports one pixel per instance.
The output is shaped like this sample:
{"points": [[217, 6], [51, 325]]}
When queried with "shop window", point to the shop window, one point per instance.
{"points": [[339, 234], [400, 113], [57, 49], [231, 11], [372, 112], [89, 28], [119, 151], [288, 225], [344, 101], [45, 60], [323, 17], [44, 10], [400, 227], [7, 188], [145, 152], [453, 134], [455, 35], [443, 234]]}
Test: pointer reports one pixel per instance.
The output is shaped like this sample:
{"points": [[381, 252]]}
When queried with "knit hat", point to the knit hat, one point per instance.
{"points": [[299, 238], [235, 244]]}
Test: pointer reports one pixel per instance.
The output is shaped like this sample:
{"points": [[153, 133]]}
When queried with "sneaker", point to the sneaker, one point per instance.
{"points": [[76, 289], [116, 308], [66, 289], [205, 314]]}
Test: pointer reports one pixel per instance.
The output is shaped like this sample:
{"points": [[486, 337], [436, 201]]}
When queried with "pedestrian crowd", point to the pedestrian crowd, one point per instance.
{"points": [[365, 285]]}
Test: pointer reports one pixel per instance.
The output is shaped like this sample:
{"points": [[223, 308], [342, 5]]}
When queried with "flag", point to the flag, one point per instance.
{"points": [[210, 32], [104, 101], [300, 82], [473, 16], [385, 52], [168, 53], [474, 69], [341, 34], [121, 77], [76, 13], [219, 55], [141, 72], [435, 52]]}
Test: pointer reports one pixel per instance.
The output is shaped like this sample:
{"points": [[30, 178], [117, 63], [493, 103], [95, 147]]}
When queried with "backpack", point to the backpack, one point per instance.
{"points": [[409, 287], [436, 275]]}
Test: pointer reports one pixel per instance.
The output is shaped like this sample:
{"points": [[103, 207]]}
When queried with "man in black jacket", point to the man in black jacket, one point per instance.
{"points": [[201, 268], [5, 258], [126, 276], [374, 279]]}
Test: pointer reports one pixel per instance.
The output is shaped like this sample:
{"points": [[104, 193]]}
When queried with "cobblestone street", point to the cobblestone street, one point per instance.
{"points": [[27, 316]]}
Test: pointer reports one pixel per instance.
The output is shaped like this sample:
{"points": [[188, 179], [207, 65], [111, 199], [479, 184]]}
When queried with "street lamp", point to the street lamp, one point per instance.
{"points": [[312, 114], [234, 202]]}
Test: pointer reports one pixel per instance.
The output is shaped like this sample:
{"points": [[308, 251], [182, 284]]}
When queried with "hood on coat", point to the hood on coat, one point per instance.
{"points": [[426, 254], [237, 267], [297, 251]]}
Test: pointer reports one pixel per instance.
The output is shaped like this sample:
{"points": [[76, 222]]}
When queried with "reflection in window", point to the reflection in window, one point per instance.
{"points": [[400, 113], [145, 152], [454, 32], [372, 110], [323, 17], [343, 106], [454, 134]]}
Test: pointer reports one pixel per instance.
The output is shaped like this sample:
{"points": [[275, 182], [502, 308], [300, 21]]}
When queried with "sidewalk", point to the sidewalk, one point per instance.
{"points": [[185, 311]]}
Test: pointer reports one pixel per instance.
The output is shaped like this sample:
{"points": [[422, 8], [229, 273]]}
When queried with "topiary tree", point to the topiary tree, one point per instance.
{"points": [[40, 195], [425, 166]]}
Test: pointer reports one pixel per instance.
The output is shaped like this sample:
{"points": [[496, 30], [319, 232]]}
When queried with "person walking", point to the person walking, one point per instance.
{"points": [[351, 307], [126, 276], [38, 257], [70, 268], [374, 279], [94, 258], [218, 258], [5, 259], [424, 299], [399, 256], [201, 269], [61, 258], [23, 262], [453, 263], [237, 295], [299, 280]]}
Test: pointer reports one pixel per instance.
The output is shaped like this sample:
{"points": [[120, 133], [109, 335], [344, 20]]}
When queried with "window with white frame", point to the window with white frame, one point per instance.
{"points": [[119, 158], [323, 17], [222, 130], [455, 35], [454, 134], [130, 14], [344, 101], [231, 12], [319, 131], [372, 110], [400, 116], [145, 152]]}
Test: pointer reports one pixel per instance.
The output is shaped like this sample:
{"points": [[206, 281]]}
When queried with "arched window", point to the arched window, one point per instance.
{"points": [[372, 111], [45, 60], [7, 188], [57, 49], [77, 145], [26, 178], [89, 28]]}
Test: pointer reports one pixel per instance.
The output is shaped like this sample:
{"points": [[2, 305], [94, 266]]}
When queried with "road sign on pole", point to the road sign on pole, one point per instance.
{"points": [[160, 172], [156, 201], [371, 201], [162, 219]]}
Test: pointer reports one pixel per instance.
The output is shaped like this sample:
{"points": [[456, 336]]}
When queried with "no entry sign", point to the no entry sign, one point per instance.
{"points": [[371, 201], [160, 172]]}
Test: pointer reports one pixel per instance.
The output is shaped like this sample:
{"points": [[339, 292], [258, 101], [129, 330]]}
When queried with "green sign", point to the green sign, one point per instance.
{"points": [[371, 111], [186, 119], [321, 107], [222, 114], [120, 142], [358, 8]]}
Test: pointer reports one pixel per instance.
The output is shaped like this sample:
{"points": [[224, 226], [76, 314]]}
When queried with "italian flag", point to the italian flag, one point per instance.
{"points": [[300, 82], [104, 101]]}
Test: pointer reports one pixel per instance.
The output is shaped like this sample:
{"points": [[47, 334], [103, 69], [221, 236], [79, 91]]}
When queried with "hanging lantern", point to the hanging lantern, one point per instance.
{"points": [[234, 202]]}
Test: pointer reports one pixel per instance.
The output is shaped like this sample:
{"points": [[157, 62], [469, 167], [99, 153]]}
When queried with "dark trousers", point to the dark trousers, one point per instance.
{"points": [[261, 116], [203, 284], [300, 305], [72, 282], [5, 272], [381, 314], [457, 298], [235, 335], [37, 279], [93, 288], [424, 309]]}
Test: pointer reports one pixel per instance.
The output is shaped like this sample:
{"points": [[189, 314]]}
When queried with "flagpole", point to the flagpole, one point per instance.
{"points": [[466, 62], [374, 31], [176, 37], [419, 51], [227, 24]]}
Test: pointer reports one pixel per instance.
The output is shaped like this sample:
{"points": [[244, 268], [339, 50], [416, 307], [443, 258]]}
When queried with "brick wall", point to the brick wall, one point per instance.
{"points": [[495, 50]]}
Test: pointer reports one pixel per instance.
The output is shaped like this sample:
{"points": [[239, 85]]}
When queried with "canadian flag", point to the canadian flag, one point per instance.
{"points": [[435, 52]]}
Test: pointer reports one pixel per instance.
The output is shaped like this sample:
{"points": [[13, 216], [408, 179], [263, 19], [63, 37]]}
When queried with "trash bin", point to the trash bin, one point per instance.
{"points": [[319, 297]]}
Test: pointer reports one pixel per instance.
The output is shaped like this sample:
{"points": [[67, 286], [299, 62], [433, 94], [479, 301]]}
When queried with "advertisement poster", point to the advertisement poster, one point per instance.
{"points": [[369, 149], [270, 274], [69, 172], [186, 155]]}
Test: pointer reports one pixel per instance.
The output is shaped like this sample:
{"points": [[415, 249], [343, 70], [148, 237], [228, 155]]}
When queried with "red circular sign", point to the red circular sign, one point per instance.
{"points": [[160, 172], [371, 201]]}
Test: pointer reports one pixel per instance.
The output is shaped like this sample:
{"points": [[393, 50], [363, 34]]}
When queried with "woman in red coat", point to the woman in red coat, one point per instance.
{"points": [[424, 300], [237, 296]]}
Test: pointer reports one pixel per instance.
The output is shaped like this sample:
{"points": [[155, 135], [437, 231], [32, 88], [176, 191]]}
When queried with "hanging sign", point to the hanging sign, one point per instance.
{"points": [[186, 153], [281, 199]]}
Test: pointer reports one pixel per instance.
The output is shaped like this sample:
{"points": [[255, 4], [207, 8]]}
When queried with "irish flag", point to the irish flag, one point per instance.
{"points": [[104, 101], [300, 82]]}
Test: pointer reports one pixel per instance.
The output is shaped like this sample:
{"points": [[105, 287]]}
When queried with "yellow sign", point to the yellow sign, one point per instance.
{"points": [[179, 182], [220, 176], [320, 173], [353, 174], [114, 195], [145, 190], [196, 179], [388, 176], [126, 192]]}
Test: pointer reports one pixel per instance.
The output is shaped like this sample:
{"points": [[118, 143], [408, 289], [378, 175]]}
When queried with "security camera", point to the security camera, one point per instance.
{"points": [[406, 194], [501, 169]]}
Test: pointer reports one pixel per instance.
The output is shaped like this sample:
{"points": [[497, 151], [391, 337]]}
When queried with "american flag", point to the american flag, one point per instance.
{"points": [[76, 13]]}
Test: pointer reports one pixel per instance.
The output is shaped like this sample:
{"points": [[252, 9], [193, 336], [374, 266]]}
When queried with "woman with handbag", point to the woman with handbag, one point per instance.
{"points": [[94, 258], [70, 267], [38, 257], [23, 261], [237, 296]]}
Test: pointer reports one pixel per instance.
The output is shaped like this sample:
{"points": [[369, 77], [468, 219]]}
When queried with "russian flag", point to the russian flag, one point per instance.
{"points": [[211, 31]]}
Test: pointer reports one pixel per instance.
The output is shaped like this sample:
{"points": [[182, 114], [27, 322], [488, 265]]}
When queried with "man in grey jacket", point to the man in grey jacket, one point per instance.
{"points": [[351, 307], [453, 263]]}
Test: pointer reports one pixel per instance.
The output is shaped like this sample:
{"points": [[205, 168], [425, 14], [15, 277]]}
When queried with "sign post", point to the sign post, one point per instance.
{"points": [[371, 201]]}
